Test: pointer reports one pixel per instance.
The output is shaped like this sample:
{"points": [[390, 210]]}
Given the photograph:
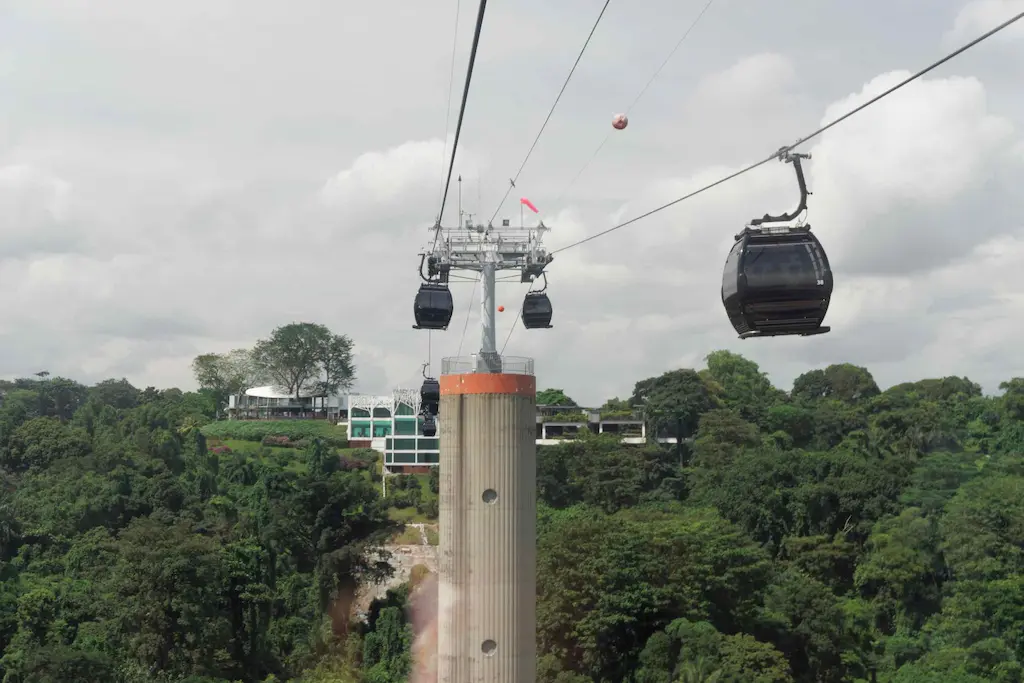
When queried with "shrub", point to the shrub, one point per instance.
{"points": [[350, 463], [407, 498], [293, 430], [404, 482], [418, 574], [429, 508], [220, 450], [367, 455]]}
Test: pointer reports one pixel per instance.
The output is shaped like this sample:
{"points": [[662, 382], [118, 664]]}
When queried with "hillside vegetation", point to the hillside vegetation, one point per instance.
{"points": [[832, 533], [302, 431]]}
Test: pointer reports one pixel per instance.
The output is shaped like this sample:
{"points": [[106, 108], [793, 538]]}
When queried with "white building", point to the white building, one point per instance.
{"points": [[392, 425], [267, 403]]}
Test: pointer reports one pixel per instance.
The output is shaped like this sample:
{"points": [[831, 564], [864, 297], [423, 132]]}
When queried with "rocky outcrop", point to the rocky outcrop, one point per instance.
{"points": [[403, 559]]}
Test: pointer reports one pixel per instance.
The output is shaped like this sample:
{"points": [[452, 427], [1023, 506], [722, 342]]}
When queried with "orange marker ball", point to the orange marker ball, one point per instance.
{"points": [[501, 309]]}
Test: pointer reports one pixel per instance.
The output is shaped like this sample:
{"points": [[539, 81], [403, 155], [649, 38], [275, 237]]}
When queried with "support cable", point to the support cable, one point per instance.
{"points": [[512, 181], [451, 84], [444, 144], [643, 90], [462, 109], [816, 133]]}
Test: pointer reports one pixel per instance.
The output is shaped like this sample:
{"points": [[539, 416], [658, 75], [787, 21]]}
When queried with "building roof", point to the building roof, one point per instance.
{"points": [[265, 392]]}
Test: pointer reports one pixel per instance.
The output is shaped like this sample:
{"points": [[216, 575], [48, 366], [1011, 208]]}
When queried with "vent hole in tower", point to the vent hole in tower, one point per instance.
{"points": [[489, 647], [490, 496]]}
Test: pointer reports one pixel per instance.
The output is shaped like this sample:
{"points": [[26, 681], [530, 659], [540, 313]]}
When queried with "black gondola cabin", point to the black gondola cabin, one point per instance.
{"points": [[430, 395], [429, 426], [537, 311], [777, 282], [433, 307]]}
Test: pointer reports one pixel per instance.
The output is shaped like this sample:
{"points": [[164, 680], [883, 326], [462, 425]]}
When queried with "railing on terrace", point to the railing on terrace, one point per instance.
{"points": [[583, 414], [510, 365], [281, 418]]}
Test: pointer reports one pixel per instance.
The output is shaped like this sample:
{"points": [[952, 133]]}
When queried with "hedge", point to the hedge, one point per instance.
{"points": [[293, 430]]}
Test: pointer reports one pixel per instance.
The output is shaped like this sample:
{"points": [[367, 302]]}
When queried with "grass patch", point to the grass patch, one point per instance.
{"points": [[287, 458], [294, 430], [433, 538], [406, 515], [410, 535], [410, 499]]}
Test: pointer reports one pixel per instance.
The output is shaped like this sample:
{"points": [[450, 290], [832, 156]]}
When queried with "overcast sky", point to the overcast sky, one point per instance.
{"points": [[181, 177]]}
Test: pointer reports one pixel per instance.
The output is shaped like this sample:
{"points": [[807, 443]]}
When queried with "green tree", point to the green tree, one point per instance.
{"points": [[843, 382], [386, 648], [745, 389], [116, 393], [226, 374], [673, 403], [553, 397], [306, 359]]}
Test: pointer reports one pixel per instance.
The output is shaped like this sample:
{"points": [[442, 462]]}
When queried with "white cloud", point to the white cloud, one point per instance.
{"points": [[749, 81], [184, 178], [980, 16]]}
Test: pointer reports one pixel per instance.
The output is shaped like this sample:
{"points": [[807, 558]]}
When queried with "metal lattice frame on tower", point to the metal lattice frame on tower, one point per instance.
{"points": [[486, 250]]}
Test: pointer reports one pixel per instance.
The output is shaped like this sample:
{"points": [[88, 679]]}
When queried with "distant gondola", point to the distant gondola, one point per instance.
{"points": [[777, 280], [430, 395], [537, 311], [429, 426], [433, 307]]}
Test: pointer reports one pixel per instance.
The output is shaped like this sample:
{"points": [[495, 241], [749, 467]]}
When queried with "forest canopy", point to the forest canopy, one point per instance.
{"points": [[829, 533]]}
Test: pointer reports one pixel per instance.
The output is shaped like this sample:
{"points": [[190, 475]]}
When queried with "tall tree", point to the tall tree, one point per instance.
{"points": [[231, 372], [745, 388], [336, 367], [306, 358], [117, 393], [674, 402], [226, 374], [843, 382]]}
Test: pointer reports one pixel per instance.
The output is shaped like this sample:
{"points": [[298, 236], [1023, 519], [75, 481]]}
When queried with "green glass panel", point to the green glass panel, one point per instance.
{"points": [[405, 427]]}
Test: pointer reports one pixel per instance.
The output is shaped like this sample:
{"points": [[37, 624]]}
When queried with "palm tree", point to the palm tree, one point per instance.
{"points": [[698, 671]]}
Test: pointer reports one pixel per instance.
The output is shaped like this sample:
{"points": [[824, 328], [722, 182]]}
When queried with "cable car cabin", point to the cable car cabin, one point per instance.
{"points": [[429, 426], [777, 283], [433, 307], [537, 311], [430, 394]]}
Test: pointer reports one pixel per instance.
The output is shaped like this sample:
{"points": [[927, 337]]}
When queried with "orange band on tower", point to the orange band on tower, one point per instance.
{"points": [[487, 383]]}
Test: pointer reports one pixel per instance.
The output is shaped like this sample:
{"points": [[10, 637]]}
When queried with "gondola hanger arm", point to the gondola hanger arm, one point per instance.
{"points": [[794, 158]]}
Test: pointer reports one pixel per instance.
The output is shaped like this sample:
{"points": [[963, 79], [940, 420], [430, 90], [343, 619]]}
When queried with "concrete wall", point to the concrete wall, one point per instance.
{"points": [[488, 518]]}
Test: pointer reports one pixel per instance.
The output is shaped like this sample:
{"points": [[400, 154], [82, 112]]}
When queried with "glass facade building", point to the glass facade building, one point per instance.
{"points": [[392, 425]]}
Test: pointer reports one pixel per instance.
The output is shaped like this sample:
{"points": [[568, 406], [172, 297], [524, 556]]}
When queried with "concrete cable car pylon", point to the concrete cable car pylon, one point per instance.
{"points": [[487, 610]]}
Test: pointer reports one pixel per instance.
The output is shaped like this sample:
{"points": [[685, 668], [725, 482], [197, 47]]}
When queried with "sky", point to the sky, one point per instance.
{"points": [[181, 178]]}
